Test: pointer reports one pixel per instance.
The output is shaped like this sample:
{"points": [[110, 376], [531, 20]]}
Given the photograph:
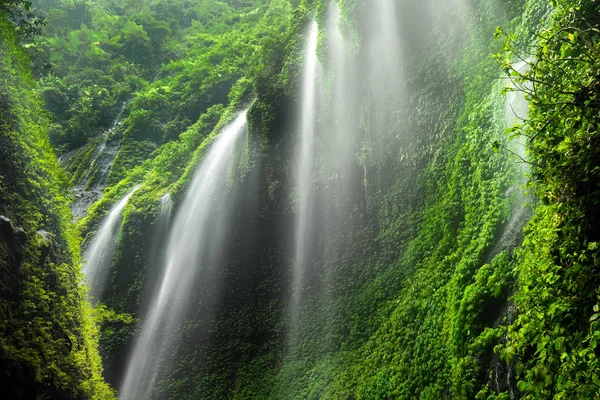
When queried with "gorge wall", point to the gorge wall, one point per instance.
{"points": [[410, 210]]}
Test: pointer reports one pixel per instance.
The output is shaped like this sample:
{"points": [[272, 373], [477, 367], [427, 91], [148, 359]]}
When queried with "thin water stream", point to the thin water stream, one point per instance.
{"points": [[304, 165], [99, 255], [91, 185]]}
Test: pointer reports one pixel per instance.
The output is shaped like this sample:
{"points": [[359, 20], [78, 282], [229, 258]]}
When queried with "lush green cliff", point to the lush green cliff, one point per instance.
{"points": [[48, 333], [461, 262]]}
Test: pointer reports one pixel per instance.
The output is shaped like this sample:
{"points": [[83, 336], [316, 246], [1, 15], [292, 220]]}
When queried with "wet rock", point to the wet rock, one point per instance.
{"points": [[6, 229], [19, 240]]}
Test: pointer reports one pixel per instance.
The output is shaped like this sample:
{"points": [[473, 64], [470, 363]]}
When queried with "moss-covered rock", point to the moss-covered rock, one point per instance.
{"points": [[48, 336]]}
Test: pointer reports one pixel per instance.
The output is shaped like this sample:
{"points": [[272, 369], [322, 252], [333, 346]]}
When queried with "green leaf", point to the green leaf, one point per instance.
{"points": [[496, 146]]}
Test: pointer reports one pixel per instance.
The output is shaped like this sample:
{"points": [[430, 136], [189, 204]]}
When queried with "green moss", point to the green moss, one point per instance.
{"points": [[48, 337], [422, 302]]}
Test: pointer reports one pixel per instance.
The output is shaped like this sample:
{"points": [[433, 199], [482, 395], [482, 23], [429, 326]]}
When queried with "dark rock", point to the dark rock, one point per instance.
{"points": [[19, 240], [6, 229]]}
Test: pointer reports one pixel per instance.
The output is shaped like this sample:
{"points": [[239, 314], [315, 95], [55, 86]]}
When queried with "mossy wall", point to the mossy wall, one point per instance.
{"points": [[430, 292], [48, 332]]}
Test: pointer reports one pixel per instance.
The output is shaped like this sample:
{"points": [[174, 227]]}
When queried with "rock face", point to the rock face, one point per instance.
{"points": [[6, 228], [16, 238]]}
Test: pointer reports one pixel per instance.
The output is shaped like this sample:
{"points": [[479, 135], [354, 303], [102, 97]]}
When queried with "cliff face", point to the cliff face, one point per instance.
{"points": [[48, 339], [409, 270], [366, 238]]}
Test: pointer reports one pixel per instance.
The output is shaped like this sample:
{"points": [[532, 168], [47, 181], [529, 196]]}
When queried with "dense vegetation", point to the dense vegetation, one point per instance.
{"points": [[432, 290], [48, 335], [555, 336]]}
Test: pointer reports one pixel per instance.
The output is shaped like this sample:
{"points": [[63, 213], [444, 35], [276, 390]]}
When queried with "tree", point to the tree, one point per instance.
{"points": [[20, 13]]}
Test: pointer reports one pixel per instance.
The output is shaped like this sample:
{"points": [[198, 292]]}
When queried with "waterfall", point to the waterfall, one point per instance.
{"points": [[195, 240], [99, 255], [304, 161], [516, 110], [516, 106], [165, 209], [384, 83], [165, 206], [328, 186], [337, 179], [384, 53], [338, 162], [91, 185], [384, 47], [153, 259]]}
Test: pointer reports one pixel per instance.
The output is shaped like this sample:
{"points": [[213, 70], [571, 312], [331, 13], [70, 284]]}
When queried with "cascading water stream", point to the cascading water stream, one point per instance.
{"points": [[91, 185], [516, 110], [195, 239], [326, 180], [385, 46], [304, 161], [384, 51], [384, 85], [153, 260], [345, 128], [335, 176], [516, 107], [99, 255], [165, 209]]}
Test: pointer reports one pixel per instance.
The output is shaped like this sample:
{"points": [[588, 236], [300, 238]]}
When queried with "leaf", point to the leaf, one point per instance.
{"points": [[522, 386], [496, 146]]}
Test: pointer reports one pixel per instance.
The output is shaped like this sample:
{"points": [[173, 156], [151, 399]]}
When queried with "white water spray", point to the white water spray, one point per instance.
{"points": [[384, 49], [304, 161], [99, 255], [195, 239], [165, 206], [345, 132], [516, 107], [161, 232]]}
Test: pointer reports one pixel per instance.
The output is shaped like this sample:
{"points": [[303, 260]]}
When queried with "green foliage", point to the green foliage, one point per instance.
{"points": [[554, 339], [204, 77], [21, 15], [429, 301], [48, 336], [421, 298], [172, 60]]}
